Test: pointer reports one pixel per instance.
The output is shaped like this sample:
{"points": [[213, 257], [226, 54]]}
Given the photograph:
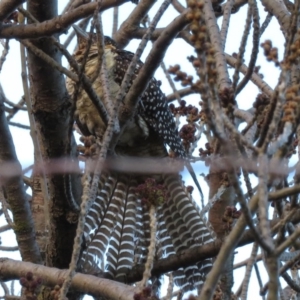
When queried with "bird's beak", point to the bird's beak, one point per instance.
{"points": [[81, 34]]}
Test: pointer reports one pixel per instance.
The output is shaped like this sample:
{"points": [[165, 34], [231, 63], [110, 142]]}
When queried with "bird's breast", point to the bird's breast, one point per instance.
{"points": [[86, 114]]}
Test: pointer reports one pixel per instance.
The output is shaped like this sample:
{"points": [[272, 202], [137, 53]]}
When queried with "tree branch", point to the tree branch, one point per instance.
{"points": [[12, 269], [58, 24], [16, 195], [51, 110], [151, 64]]}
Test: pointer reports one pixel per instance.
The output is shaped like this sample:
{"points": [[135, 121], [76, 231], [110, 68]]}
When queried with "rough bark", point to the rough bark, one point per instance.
{"points": [[51, 110]]}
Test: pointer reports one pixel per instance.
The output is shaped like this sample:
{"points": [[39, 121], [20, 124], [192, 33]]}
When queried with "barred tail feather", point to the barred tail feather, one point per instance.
{"points": [[121, 250], [197, 228], [96, 249], [167, 248], [163, 238], [181, 239], [114, 244], [127, 243], [118, 228], [187, 211], [97, 211]]}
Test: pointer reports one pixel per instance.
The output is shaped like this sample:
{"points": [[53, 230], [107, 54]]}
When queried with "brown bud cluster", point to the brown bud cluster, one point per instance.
{"points": [[202, 114], [31, 285], [199, 34], [89, 148], [270, 52], [190, 189], [181, 76], [291, 108], [227, 98], [229, 217], [187, 133], [152, 193], [195, 61], [190, 111], [211, 65], [207, 152], [261, 101]]}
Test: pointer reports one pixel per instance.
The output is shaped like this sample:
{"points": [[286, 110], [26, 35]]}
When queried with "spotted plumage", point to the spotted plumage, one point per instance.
{"points": [[117, 229], [153, 107]]}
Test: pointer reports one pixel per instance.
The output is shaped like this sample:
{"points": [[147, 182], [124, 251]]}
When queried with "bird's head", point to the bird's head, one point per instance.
{"points": [[83, 38]]}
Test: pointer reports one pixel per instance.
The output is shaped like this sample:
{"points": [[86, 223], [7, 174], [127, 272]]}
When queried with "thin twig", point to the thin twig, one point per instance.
{"points": [[226, 21], [151, 248], [4, 53], [5, 228], [257, 272], [115, 20], [251, 262], [265, 24], [5, 288], [19, 125], [255, 78], [242, 48], [5, 209], [9, 248], [263, 200], [19, 106], [181, 93], [255, 43], [39, 53]]}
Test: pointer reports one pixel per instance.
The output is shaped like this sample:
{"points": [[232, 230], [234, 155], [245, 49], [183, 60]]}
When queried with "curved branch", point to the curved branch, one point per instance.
{"points": [[12, 269], [279, 10], [151, 64], [16, 195], [255, 78], [124, 34], [57, 24]]}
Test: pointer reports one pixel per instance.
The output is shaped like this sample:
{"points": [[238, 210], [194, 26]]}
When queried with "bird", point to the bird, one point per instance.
{"points": [[117, 228]]}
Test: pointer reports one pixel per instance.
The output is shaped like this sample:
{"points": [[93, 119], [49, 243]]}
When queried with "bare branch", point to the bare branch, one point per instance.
{"points": [[55, 25], [16, 196], [133, 21], [151, 64], [12, 269], [279, 10], [214, 34]]}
